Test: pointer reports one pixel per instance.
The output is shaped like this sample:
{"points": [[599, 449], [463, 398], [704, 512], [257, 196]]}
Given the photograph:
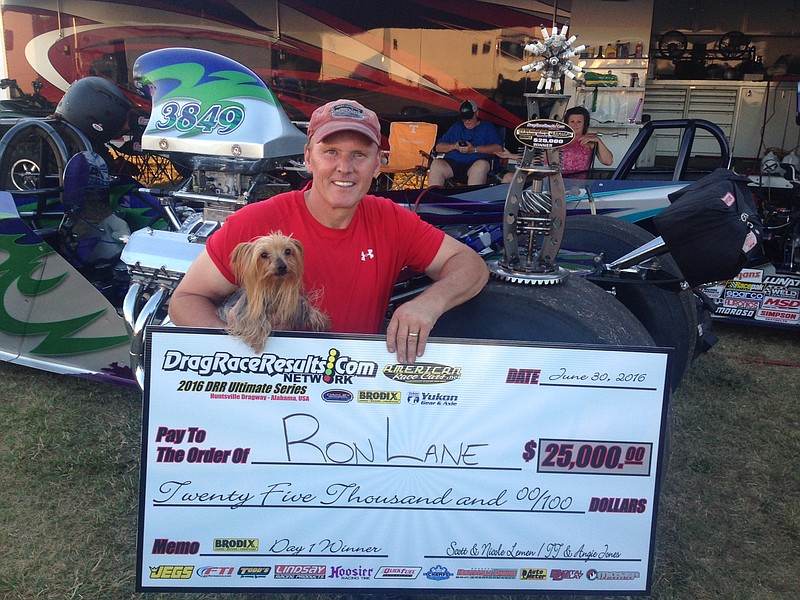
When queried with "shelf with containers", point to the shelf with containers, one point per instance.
{"points": [[615, 110]]}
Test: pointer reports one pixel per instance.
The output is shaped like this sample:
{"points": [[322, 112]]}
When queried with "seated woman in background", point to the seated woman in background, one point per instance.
{"points": [[576, 157]]}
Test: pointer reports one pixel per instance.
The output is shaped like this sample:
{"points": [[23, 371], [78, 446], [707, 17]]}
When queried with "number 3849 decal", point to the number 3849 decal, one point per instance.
{"points": [[187, 118]]}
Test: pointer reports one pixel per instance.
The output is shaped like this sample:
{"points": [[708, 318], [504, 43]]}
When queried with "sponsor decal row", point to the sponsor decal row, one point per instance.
{"points": [[435, 573]]}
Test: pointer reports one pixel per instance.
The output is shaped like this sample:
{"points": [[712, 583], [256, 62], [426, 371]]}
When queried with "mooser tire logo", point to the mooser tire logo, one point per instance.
{"points": [[422, 373], [333, 368]]}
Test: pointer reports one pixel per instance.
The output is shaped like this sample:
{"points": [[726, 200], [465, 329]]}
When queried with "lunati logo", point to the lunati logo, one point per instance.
{"points": [[422, 373]]}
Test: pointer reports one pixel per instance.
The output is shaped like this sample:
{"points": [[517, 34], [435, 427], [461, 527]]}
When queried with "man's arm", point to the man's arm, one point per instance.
{"points": [[194, 302], [459, 274]]}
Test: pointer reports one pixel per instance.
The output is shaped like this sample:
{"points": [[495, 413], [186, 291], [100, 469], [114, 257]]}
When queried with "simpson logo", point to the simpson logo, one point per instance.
{"points": [[379, 397], [777, 316], [164, 546], [236, 545], [561, 574], [422, 373], [300, 572], [533, 574], [398, 572], [253, 572], [172, 572], [525, 376], [595, 575], [333, 368], [337, 396], [215, 572], [438, 573]]}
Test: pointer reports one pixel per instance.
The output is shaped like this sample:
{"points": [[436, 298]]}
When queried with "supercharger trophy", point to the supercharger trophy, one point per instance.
{"points": [[534, 216]]}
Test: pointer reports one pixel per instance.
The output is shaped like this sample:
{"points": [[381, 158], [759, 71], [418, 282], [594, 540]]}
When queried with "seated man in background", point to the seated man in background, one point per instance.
{"points": [[469, 146]]}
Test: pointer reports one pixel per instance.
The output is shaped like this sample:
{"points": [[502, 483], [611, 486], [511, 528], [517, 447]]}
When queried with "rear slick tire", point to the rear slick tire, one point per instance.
{"points": [[669, 316], [574, 311]]}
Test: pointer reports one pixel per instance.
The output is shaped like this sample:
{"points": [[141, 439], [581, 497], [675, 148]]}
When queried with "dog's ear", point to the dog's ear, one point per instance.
{"points": [[240, 258]]}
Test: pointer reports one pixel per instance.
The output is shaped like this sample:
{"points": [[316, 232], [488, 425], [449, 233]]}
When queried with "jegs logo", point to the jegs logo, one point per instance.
{"points": [[172, 572], [422, 373]]}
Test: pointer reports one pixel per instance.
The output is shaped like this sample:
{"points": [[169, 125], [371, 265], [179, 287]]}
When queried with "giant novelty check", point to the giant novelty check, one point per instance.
{"points": [[323, 464]]}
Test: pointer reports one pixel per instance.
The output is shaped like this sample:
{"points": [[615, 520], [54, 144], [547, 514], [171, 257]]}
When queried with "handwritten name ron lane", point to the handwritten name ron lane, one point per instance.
{"points": [[305, 442]]}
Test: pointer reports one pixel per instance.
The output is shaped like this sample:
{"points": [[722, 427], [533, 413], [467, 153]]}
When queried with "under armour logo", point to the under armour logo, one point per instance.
{"points": [[367, 254]]}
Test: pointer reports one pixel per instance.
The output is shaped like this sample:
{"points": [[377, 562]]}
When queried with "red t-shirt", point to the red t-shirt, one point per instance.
{"points": [[354, 268]]}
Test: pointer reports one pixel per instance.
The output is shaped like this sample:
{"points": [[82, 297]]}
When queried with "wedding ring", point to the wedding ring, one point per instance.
{"points": [[413, 334]]}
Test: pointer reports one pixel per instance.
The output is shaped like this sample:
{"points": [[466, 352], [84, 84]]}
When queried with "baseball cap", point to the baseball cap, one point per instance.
{"points": [[468, 109], [344, 115]]}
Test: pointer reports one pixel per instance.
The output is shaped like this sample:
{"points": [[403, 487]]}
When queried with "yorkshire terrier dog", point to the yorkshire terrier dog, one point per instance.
{"points": [[269, 270]]}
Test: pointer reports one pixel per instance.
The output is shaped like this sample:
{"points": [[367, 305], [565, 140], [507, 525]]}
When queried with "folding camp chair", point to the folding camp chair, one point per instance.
{"points": [[410, 143]]}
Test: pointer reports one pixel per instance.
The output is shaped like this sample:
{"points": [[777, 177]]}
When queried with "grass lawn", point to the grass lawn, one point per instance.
{"points": [[729, 522]]}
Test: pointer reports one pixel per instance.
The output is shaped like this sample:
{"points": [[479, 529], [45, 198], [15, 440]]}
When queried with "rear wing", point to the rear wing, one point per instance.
{"points": [[207, 104]]}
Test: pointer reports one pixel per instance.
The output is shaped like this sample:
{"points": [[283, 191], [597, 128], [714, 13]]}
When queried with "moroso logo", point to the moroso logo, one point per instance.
{"points": [[526, 376], [337, 396], [165, 546], [398, 572], [379, 397], [172, 572], [333, 368], [300, 571], [236, 545], [422, 373], [215, 572], [533, 574], [254, 572]]}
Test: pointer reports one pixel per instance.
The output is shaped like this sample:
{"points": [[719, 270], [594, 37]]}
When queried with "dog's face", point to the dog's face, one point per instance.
{"points": [[268, 257]]}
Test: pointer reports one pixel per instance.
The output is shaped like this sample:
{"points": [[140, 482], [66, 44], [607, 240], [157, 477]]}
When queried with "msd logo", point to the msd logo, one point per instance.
{"points": [[784, 303]]}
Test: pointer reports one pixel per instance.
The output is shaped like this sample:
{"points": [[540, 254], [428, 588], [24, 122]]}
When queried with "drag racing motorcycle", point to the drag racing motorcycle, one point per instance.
{"points": [[89, 257]]}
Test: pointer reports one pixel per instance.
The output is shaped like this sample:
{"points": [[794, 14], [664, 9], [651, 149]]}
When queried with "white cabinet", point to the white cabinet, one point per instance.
{"points": [[715, 102], [769, 107]]}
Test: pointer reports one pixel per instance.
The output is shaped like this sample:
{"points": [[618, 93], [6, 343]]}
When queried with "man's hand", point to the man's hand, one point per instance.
{"points": [[459, 274]]}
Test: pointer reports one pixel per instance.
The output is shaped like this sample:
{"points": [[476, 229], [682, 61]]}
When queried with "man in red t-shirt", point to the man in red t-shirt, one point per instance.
{"points": [[355, 244]]}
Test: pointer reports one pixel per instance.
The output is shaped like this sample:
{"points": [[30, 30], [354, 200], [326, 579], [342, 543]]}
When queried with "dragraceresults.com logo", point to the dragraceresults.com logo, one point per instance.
{"points": [[332, 369]]}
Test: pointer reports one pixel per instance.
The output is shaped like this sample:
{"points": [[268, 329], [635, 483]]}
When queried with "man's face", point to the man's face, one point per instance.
{"points": [[343, 165], [471, 122]]}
